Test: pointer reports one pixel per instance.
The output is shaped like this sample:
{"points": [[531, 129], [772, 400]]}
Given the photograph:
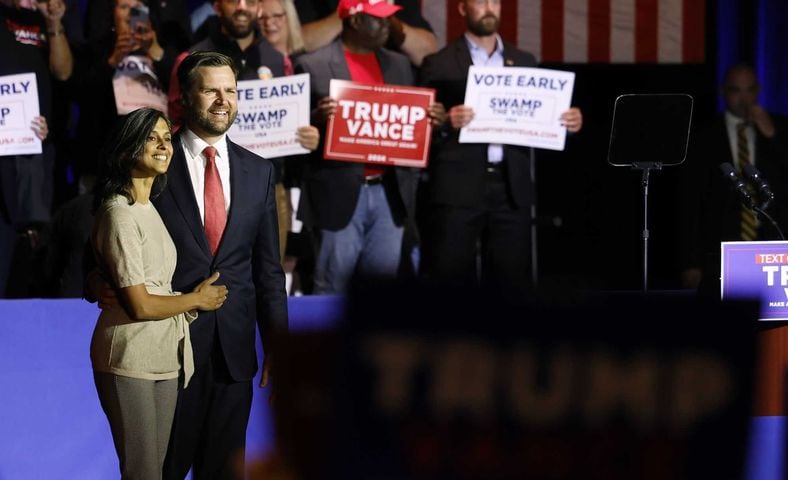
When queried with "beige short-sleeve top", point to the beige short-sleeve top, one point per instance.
{"points": [[133, 247]]}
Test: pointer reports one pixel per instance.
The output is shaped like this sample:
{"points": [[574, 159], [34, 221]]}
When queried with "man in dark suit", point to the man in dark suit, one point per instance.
{"points": [[212, 414], [359, 210], [477, 194], [712, 209]]}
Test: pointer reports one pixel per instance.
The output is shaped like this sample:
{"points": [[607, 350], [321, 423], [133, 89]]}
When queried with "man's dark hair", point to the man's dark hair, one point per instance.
{"points": [[187, 70]]}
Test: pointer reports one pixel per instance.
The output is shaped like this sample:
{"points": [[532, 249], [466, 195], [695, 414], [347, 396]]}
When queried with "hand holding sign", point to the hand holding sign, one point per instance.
{"points": [[308, 136], [460, 116], [40, 127], [326, 108], [437, 113], [572, 119]]}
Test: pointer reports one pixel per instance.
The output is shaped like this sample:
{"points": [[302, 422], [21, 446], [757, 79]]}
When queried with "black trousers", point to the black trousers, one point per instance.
{"points": [[488, 244], [209, 431]]}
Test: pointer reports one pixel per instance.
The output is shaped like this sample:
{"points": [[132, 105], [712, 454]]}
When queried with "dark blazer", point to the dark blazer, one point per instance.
{"points": [[457, 170], [332, 187], [711, 208], [247, 259]]}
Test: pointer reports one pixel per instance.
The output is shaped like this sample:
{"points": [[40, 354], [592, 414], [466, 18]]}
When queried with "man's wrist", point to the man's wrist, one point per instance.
{"points": [[55, 30]]}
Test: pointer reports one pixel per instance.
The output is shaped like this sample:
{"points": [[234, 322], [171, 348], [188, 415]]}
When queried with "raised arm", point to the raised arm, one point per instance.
{"points": [[61, 62]]}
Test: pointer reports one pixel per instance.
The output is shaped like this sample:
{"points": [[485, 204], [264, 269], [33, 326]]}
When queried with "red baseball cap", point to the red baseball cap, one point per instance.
{"points": [[376, 8]]}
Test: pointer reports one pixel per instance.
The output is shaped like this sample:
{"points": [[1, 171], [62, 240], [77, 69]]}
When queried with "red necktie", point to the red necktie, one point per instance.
{"points": [[288, 66], [215, 213]]}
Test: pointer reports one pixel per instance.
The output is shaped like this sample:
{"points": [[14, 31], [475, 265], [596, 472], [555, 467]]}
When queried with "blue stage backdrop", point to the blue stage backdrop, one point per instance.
{"points": [[767, 51], [51, 424]]}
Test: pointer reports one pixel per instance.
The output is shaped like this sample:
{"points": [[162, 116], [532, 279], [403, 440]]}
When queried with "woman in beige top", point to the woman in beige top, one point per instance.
{"points": [[140, 348]]}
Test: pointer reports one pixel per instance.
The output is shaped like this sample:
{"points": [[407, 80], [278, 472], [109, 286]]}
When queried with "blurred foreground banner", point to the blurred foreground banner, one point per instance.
{"points": [[436, 384]]}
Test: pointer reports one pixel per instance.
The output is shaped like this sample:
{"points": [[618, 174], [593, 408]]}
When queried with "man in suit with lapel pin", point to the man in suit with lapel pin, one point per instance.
{"points": [[219, 209], [478, 197]]}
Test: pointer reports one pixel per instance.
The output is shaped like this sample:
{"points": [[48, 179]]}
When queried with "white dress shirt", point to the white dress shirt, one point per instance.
{"points": [[195, 161], [480, 57]]}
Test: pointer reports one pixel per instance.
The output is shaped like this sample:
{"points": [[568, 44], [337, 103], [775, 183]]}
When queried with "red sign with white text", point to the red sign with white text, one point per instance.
{"points": [[380, 124]]}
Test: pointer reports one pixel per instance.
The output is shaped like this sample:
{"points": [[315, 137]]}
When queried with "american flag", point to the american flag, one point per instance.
{"points": [[591, 31]]}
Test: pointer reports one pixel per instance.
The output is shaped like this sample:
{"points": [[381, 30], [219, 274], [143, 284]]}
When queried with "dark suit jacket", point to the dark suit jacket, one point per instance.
{"points": [[457, 170], [247, 259], [332, 187], [711, 208]]}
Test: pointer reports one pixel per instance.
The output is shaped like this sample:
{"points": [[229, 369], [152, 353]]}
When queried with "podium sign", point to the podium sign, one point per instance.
{"points": [[757, 270]]}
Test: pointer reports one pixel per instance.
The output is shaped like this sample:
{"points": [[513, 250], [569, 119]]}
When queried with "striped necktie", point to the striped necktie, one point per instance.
{"points": [[749, 223]]}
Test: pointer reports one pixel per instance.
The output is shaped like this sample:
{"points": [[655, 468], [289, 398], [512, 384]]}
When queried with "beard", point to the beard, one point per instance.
{"points": [[204, 121], [237, 31], [485, 26]]}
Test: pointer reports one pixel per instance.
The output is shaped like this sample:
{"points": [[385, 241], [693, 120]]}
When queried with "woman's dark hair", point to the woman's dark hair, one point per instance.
{"points": [[120, 155]]}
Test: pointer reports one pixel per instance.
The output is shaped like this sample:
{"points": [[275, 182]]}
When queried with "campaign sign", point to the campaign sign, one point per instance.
{"points": [[18, 108], [467, 387], [136, 85], [757, 270], [269, 113], [517, 106], [381, 124]]}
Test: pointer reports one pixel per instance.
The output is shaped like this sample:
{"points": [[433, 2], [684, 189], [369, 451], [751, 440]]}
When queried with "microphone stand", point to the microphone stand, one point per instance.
{"points": [[646, 168], [762, 213]]}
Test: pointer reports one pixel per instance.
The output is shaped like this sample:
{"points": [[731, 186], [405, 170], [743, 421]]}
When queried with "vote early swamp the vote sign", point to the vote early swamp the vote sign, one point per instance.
{"points": [[18, 108], [517, 106], [382, 124], [269, 114]]}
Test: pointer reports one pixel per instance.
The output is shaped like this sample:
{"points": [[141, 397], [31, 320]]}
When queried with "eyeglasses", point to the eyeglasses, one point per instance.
{"points": [[276, 17]]}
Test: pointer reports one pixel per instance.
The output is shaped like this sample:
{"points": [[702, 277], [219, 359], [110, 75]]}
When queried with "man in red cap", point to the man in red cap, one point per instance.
{"points": [[409, 32], [359, 211]]}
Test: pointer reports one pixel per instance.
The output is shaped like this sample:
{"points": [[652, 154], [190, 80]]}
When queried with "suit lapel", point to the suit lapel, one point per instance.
{"points": [[337, 63], [462, 55], [180, 185], [722, 130], [239, 172], [509, 60]]}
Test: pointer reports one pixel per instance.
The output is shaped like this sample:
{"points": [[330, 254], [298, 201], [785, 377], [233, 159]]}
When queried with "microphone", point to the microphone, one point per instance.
{"points": [[755, 177], [738, 184]]}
